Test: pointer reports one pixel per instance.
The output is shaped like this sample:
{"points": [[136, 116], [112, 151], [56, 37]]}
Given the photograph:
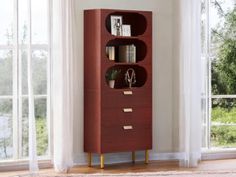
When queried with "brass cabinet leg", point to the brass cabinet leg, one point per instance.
{"points": [[102, 161], [89, 159], [146, 156], [133, 156]]}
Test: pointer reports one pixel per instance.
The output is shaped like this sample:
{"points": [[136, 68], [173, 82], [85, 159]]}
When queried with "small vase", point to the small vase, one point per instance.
{"points": [[111, 83]]}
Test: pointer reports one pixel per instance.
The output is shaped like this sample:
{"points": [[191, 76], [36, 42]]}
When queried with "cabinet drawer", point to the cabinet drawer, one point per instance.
{"points": [[124, 98], [128, 137], [122, 115]]}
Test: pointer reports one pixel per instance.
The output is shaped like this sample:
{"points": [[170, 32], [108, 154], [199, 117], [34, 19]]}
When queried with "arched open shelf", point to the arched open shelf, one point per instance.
{"points": [[126, 50], [136, 20], [120, 76]]}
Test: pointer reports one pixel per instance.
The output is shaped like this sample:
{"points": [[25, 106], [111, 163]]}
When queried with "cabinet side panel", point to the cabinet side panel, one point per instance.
{"points": [[150, 54], [92, 86], [148, 39]]}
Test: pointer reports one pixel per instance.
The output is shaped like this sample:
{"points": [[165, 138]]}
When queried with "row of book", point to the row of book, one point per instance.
{"points": [[123, 53]]}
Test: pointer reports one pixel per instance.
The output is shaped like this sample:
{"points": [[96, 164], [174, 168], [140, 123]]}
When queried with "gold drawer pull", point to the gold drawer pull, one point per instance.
{"points": [[127, 110], [128, 92], [128, 127]]}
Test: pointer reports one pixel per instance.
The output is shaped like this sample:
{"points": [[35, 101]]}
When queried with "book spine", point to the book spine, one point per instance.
{"points": [[132, 54], [123, 53], [110, 52]]}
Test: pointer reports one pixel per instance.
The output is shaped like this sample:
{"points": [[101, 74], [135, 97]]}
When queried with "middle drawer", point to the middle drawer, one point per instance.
{"points": [[126, 115]]}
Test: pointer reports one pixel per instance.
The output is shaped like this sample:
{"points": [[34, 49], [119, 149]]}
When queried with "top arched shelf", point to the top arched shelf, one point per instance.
{"points": [[137, 22]]}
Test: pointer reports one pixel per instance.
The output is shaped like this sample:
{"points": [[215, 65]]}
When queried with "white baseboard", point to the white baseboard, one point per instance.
{"points": [[23, 165], [166, 156], [81, 159], [219, 155]]}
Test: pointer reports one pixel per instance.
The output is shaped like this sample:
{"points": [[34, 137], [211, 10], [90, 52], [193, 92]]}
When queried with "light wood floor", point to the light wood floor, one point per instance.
{"points": [[153, 166]]}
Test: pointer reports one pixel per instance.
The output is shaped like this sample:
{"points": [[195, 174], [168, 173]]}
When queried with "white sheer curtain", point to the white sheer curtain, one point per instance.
{"points": [[188, 55], [33, 162], [63, 81]]}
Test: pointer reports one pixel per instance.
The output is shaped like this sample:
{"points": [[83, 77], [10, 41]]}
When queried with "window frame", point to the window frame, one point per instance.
{"points": [[17, 162], [210, 151]]}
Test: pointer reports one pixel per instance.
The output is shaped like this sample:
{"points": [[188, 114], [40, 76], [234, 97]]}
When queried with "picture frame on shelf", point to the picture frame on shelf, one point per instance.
{"points": [[116, 25], [126, 30]]}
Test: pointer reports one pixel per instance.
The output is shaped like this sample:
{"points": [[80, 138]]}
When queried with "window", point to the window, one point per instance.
{"points": [[20, 25], [219, 58]]}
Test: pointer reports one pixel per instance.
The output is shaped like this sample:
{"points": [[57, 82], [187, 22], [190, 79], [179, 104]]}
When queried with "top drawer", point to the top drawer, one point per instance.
{"points": [[121, 98]]}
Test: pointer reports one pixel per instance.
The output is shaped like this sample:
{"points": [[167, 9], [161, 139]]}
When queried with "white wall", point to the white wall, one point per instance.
{"points": [[175, 78], [162, 67]]}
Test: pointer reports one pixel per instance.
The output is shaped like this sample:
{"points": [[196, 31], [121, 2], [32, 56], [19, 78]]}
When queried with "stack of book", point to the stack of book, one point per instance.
{"points": [[110, 52], [127, 53]]}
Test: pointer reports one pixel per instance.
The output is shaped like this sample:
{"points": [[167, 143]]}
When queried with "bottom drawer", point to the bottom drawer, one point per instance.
{"points": [[126, 138]]}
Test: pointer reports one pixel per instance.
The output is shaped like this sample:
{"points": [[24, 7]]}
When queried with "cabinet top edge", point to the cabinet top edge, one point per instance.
{"points": [[120, 10]]}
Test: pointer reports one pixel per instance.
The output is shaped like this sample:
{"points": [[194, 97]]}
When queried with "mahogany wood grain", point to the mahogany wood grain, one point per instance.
{"points": [[103, 116]]}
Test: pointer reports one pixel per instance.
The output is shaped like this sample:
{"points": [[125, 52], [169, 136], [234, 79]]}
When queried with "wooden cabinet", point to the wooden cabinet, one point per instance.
{"points": [[117, 118]]}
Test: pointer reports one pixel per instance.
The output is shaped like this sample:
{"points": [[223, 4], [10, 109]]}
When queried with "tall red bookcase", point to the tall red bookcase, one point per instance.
{"points": [[119, 118]]}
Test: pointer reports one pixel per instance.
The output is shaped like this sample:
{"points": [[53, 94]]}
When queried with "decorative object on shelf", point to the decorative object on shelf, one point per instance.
{"points": [[130, 77], [110, 52], [116, 25], [127, 53], [126, 30], [111, 76]]}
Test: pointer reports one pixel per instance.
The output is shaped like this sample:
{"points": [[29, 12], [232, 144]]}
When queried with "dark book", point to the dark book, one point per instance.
{"points": [[124, 53]]}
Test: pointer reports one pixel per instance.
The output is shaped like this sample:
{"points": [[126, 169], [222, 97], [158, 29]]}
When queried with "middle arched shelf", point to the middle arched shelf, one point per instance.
{"points": [[121, 73], [126, 50]]}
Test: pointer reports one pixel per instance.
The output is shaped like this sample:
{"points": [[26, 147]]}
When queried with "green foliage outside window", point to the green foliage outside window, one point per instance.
{"points": [[224, 66], [223, 135], [224, 79]]}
